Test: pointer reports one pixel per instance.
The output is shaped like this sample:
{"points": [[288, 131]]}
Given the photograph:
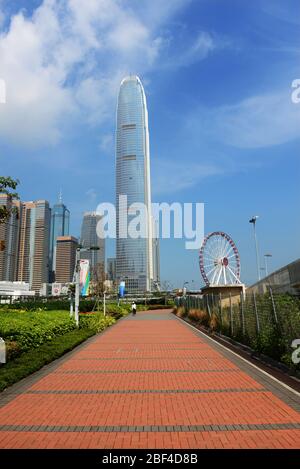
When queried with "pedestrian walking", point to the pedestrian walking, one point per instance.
{"points": [[133, 308]]}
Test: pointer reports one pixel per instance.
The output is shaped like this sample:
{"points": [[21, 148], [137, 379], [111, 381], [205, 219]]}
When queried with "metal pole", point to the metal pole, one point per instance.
{"points": [[231, 318], [266, 266], [257, 254], [77, 287], [104, 304], [242, 313], [256, 314], [273, 304]]}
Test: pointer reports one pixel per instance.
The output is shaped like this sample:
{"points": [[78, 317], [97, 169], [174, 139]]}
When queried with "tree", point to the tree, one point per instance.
{"points": [[8, 186], [97, 283]]}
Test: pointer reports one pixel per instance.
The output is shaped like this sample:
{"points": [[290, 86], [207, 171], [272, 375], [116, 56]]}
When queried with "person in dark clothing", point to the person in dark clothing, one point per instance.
{"points": [[133, 308]]}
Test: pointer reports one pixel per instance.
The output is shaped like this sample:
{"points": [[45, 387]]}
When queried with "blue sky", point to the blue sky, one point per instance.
{"points": [[223, 129]]}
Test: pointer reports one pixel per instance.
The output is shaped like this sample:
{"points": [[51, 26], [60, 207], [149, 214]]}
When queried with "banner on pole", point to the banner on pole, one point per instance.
{"points": [[84, 277], [122, 289]]}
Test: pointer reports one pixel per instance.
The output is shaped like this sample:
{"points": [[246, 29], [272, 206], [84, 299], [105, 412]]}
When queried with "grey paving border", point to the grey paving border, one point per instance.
{"points": [[147, 428], [117, 372], [143, 358], [143, 391], [278, 389]]}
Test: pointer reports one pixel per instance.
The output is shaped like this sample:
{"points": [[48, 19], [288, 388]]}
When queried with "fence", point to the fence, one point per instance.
{"points": [[267, 323]]}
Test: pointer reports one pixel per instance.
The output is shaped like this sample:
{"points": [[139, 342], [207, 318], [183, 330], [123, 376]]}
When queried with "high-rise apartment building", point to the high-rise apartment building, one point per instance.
{"points": [[60, 220], [134, 256], [89, 239], [9, 236], [33, 254], [65, 258]]}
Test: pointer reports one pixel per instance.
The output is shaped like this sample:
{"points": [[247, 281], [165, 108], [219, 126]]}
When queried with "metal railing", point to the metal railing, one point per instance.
{"points": [[268, 323]]}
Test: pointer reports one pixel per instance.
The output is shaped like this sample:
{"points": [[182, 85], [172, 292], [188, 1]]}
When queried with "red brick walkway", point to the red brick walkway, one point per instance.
{"points": [[150, 381]]}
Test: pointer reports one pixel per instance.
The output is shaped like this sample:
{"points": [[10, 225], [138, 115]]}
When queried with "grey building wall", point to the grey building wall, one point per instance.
{"points": [[284, 280]]}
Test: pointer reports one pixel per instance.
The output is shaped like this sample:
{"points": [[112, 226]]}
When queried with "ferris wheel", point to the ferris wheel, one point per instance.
{"points": [[219, 260]]}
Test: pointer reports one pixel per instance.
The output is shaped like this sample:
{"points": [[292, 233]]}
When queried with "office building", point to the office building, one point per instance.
{"points": [[65, 258], [111, 269], [9, 238], [134, 257], [89, 239], [33, 253], [60, 220]]}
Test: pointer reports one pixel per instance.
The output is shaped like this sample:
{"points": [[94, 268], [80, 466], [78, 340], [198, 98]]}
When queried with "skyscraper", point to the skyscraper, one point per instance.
{"points": [[134, 258], [111, 269], [9, 235], [88, 239], [60, 220], [33, 255], [65, 258]]}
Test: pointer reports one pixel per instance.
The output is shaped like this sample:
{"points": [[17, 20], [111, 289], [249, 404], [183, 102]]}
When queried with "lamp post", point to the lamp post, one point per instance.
{"points": [[253, 221], [266, 263], [184, 283]]}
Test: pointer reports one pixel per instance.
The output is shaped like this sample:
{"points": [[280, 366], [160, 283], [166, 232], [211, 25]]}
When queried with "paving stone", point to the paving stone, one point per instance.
{"points": [[150, 379]]}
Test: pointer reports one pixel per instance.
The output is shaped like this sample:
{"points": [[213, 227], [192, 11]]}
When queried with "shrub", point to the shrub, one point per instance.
{"points": [[270, 342], [180, 311], [96, 322], [13, 350], [27, 330], [214, 322], [199, 315]]}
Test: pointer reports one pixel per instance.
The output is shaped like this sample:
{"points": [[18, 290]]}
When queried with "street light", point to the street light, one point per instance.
{"points": [[253, 221], [266, 263], [184, 283]]}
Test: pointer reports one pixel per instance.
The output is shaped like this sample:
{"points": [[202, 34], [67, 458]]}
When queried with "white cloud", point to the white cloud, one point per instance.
{"points": [[259, 121], [92, 195], [202, 46], [190, 52], [67, 60], [181, 175], [107, 143]]}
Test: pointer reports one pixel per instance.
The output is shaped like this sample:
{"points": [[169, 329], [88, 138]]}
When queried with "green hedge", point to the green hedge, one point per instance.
{"points": [[23, 331], [35, 359]]}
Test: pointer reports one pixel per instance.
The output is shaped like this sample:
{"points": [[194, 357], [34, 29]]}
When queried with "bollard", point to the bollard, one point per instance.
{"points": [[2, 351]]}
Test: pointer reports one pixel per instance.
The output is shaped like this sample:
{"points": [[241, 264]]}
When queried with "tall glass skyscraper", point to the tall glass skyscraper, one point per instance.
{"points": [[134, 259], [60, 221], [89, 239]]}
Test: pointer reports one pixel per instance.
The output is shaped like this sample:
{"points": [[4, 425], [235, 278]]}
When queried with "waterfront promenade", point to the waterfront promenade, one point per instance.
{"points": [[150, 381]]}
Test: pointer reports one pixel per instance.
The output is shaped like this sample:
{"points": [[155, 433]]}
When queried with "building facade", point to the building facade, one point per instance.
{"points": [[60, 221], [284, 280], [33, 253], [89, 239], [9, 235], [65, 258], [111, 269], [134, 257]]}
